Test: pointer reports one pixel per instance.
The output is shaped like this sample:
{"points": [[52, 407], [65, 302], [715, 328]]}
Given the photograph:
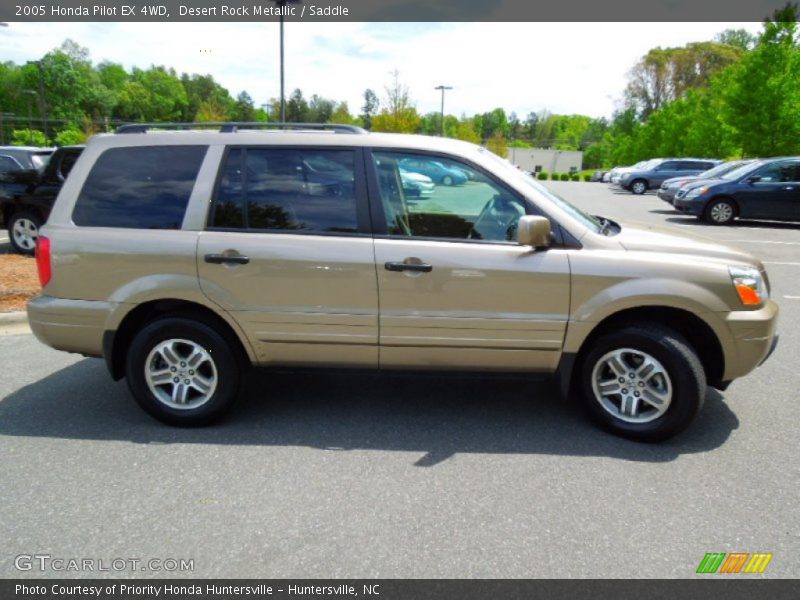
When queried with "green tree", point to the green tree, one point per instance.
{"points": [[370, 108], [762, 96]]}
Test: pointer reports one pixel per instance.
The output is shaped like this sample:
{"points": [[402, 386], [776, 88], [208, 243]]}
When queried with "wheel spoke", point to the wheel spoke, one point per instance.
{"points": [[617, 366], [161, 376], [609, 386], [195, 358], [201, 384], [170, 355], [629, 406], [646, 370], [654, 397], [179, 393]]}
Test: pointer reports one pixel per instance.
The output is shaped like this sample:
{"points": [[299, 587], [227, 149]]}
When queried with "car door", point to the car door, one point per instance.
{"points": [[456, 291], [288, 253], [664, 171], [772, 192]]}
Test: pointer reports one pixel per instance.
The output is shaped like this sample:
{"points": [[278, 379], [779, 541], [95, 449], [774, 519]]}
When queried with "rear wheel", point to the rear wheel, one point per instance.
{"points": [[720, 212], [643, 382], [23, 231], [447, 180], [639, 186], [182, 372]]}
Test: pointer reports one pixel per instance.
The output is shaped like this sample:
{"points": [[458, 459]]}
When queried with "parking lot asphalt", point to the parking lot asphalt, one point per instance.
{"points": [[367, 475]]}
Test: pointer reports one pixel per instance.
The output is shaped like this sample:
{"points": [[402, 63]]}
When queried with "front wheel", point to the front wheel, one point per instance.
{"points": [[23, 231], [642, 382], [183, 372], [639, 187], [720, 212]]}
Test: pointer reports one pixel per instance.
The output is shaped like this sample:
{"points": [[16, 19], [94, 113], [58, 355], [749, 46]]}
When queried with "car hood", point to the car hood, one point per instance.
{"points": [[416, 176], [641, 237], [701, 182], [676, 180]]}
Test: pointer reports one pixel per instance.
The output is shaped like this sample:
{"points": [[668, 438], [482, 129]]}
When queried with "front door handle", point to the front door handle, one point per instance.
{"points": [[226, 259], [403, 266]]}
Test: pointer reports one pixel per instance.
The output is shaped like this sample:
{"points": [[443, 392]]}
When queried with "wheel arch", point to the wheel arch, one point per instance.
{"points": [[699, 334], [117, 341]]}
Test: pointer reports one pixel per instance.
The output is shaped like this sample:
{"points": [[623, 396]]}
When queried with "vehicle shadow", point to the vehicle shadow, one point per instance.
{"points": [[439, 416], [692, 220]]}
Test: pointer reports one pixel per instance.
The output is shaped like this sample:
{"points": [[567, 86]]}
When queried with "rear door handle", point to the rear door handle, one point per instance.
{"points": [[402, 266], [225, 259]]}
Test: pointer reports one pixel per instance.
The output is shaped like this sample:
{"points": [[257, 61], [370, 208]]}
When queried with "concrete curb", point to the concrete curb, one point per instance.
{"points": [[11, 318]]}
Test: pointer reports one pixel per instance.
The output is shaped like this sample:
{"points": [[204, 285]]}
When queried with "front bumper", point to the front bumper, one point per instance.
{"points": [[691, 207], [753, 338], [666, 195]]}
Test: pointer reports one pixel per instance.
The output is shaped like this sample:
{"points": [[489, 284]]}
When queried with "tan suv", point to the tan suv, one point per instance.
{"points": [[182, 257]]}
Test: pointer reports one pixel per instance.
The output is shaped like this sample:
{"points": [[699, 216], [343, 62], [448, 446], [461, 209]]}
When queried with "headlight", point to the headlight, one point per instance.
{"points": [[749, 285], [695, 192]]}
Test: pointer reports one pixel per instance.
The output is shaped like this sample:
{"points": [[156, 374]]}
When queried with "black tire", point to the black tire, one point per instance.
{"points": [[686, 379], [223, 357], [638, 187], [720, 211], [447, 180], [23, 231]]}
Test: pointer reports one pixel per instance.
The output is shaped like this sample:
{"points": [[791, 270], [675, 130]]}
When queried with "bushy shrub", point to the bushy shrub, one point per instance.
{"points": [[28, 137], [555, 176], [542, 175], [576, 177], [69, 137], [587, 177], [565, 177]]}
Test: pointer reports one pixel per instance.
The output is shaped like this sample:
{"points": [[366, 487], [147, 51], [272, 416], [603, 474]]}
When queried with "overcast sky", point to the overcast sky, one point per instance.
{"points": [[522, 67]]}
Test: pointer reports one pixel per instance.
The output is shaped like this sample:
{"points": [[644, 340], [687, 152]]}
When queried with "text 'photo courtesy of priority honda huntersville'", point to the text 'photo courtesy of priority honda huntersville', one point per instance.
{"points": [[184, 257]]}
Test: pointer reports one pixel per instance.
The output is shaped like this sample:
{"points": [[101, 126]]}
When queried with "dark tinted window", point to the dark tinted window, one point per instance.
{"points": [[143, 187], [67, 162], [669, 165], [8, 164], [779, 172], [287, 189]]}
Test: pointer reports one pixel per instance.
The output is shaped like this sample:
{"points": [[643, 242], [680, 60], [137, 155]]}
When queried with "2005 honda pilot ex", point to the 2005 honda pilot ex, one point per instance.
{"points": [[182, 257]]}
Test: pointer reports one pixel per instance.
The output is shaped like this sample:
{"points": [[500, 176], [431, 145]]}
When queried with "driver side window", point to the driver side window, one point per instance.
{"points": [[433, 197]]}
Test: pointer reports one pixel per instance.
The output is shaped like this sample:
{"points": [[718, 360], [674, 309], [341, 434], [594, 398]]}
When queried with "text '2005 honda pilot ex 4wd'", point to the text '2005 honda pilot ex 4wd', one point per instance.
{"points": [[183, 257]]}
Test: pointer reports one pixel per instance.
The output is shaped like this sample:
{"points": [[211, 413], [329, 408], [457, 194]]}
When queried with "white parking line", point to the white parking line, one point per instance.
{"points": [[761, 242], [791, 264], [792, 297]]}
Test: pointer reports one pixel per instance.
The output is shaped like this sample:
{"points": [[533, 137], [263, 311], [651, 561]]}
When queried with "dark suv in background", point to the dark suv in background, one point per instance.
{"points": [[640, 181], [27, 195]]}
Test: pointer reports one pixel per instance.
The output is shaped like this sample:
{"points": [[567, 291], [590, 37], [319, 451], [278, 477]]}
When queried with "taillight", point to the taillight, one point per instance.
{"points": [[43, 260]]}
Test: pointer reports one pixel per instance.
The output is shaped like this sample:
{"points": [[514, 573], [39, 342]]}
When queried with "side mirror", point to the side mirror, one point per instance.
{"points": [[534, 231], [754, 179]]}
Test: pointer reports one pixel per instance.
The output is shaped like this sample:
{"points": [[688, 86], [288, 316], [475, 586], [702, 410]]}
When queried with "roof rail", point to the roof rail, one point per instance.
{"points": [[233, 126]]}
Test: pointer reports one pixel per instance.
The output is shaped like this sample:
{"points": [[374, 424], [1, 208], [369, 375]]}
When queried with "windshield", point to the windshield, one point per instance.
{"points": [[720, 170], [587, 220], [741, 171]]}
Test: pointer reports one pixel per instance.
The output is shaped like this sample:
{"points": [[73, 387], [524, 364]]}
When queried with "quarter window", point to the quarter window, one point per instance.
{"points": [[432, 197], [287, 190], [141, 187]]}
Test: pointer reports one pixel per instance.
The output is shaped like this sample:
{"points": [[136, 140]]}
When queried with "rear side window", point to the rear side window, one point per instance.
{"points": [[67, 162], [277, 189], [140, 187], [8, 164]]}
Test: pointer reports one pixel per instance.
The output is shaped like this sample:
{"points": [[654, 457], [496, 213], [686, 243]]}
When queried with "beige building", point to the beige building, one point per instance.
{"points": [[551, 161]]}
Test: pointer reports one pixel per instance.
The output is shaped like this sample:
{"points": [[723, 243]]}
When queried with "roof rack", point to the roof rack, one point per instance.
{"points": [[234, 126]]}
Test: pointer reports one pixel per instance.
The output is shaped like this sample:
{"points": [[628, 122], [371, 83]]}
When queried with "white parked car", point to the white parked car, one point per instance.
{"points": [[416, 185]]}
